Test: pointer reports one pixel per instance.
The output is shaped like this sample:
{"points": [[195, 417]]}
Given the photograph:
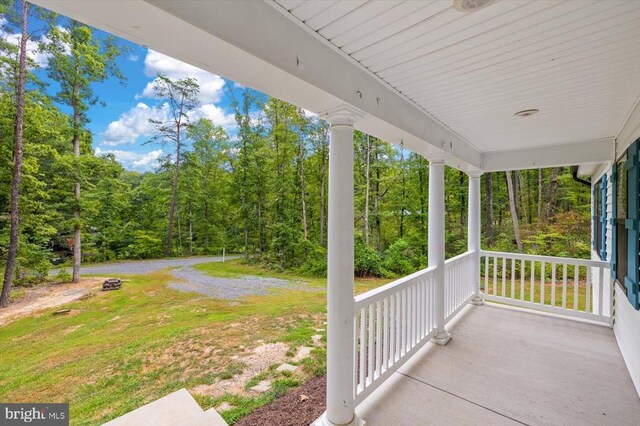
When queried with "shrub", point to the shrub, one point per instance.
{"points": [[145, 245], [400, 258], [367, 261], [32, 264], [315, 263], [63, 276]]}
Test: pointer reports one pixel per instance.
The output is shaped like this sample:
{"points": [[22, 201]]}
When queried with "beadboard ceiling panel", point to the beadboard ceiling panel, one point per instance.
{"points": [[577, 61]]}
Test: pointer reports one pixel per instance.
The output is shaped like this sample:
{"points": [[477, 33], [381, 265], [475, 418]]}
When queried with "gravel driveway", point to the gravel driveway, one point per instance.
{"points": [[147, 266], [190, 279]]}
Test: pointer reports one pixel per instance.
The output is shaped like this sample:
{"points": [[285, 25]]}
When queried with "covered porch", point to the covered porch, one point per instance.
{"points": [[506, 366], [481, 86]]}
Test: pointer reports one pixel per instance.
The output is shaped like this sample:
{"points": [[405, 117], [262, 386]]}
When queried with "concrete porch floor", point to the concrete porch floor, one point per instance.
{"points": [[507, 367]]}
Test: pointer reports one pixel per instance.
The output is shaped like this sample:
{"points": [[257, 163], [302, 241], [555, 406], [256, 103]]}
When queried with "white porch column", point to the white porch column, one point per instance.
{"points": [[340, 292], [473, 232], [436, 242]]}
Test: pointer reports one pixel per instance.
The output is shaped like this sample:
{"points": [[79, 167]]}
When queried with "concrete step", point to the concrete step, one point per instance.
{"points": [[215, 418], [176, 409]]}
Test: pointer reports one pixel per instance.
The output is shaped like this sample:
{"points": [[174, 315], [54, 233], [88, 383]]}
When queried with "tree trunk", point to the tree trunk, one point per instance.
{"points": [[539, 194], [180, 251], [174, 195], [261, 249], [77, 232], [551, 193], [529, 198], [366, 191], [520, 197], [403, 194], [514, 213], [207, 227], [376, 205], [423, 206], [489, 209], [323, 178], [303, 192], [190, 234], [463, 203], [14, 234]]}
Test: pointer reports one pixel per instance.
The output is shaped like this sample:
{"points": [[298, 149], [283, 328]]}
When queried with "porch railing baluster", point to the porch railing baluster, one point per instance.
{"points": [[584, 303]]}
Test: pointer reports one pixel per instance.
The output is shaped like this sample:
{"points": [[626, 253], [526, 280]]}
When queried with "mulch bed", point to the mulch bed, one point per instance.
{"points": [[292, 409]]}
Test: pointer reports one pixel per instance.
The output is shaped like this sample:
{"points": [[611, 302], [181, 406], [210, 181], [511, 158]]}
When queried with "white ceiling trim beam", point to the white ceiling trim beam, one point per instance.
{"points": [[260, 45], [571, 154], [630, 131]]}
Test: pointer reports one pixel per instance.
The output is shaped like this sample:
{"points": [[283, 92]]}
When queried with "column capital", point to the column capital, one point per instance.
{"points": [[475, 173], [343, 115], [436, 157]]}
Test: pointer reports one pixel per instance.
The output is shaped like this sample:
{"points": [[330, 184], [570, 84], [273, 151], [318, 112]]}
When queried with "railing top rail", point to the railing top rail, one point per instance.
{"points": [[549, 259], [372, 296], [459, 257]]}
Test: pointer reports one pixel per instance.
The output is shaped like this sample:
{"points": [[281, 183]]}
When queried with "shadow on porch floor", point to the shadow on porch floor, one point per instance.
{"points": [[506, 367]]}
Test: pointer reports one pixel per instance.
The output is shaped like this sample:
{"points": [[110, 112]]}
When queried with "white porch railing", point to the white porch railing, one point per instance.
{"points": [[393, 321], [553, 284], [458, 283]]}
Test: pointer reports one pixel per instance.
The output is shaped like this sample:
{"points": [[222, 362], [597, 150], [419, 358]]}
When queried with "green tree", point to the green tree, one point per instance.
{"points": [[78, 60], [207, 180], [17, 163], [182, 98]]}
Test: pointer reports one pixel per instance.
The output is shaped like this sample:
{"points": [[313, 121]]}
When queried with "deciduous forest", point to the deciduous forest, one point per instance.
{"points": [[260, 190]]}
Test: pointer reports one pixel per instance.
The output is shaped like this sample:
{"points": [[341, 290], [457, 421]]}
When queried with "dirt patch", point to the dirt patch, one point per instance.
{"points": [[48, 296], [254, 363], [300, 407], [72, 329]]}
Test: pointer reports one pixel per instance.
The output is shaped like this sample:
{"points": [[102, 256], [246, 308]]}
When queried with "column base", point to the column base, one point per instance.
{"points": [[477, 300], [324, 421], [441, 338]]}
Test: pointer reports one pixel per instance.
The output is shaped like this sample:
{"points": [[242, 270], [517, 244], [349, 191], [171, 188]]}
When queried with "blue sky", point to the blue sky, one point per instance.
{"points": [[122, 126]]}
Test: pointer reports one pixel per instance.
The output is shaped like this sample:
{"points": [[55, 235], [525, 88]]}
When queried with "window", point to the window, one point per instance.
{"points": [[597, 212], [625, 256], [600, 217], [620, 259]]}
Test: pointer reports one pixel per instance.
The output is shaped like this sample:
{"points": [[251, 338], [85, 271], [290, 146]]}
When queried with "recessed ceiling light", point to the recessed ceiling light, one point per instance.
{"points": [[526, 112], [471, 5]]}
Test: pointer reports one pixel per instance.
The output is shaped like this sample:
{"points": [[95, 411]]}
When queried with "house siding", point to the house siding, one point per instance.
{"points": [[608, 236], [626, 319], [627, 330]]}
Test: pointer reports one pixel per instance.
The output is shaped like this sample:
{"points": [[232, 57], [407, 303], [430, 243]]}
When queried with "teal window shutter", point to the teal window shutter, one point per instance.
{"points": [[594, 216], [612, 220], [632, 276], [603, 218]]}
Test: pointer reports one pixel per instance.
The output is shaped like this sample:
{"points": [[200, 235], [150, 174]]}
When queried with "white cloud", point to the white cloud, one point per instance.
{"points": [[211, 85], [214, 113], [133, 124], [134, 160], [133, 57], [148, 159], [34, 52]]}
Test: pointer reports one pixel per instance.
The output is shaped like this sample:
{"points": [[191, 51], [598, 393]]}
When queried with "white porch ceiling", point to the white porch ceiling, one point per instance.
{"points": [[577, 61]]}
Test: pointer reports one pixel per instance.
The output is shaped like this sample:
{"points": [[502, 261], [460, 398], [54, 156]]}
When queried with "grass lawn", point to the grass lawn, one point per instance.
{"points": [[118, 350]]}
